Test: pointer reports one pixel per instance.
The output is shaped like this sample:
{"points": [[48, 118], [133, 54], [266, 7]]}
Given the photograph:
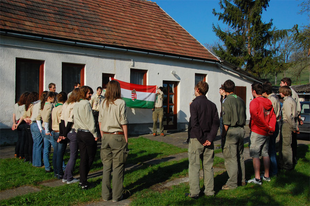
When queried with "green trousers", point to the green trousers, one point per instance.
{"points": [[158, 113], [113, 155], [233, 156], [286, 152], [196, 151]]}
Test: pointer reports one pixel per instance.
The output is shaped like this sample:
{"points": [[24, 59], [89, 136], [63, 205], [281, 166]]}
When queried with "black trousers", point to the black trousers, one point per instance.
{"points": [[88, 147], [19, 148], [28, 145]]}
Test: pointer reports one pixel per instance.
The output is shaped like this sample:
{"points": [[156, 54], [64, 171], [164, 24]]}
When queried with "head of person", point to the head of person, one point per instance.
{"points": [[23, 98], [113, 92], [62, 97], [32, 97], [257, 89], [221, 90], [74, 97], [52, 87], [43, 98], [47, 97], [267, 89], [229, 86], [285, 91], [201, 88], [77, 85], [85, 92], [285, 82], [99, 91]]}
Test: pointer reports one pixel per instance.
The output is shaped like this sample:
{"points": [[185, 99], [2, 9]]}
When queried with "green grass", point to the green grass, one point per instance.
{"points": [[289, 188]]}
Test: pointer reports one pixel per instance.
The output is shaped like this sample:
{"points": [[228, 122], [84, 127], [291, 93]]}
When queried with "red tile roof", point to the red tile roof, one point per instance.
{"points": [[135, 24]]}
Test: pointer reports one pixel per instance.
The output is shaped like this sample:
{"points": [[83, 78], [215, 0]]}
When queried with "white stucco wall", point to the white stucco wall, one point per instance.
{"points": [[103, 61]]}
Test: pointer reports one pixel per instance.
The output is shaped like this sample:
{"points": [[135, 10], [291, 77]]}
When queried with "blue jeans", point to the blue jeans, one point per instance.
{"points": [[58, 154], [272, 151], [37, 137], [48, 141]]}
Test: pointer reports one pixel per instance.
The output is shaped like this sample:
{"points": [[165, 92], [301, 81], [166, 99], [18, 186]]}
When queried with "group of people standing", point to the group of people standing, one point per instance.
{"points": [[267, 121], [80, 120]]}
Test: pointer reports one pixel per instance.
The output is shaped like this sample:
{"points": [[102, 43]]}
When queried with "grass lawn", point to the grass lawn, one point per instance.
{"points": [[290, 188]]}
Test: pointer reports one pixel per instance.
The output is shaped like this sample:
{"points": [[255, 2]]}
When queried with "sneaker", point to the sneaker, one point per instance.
{"points": [[64, 180], [162, 134], [255, 181], [72, 181], [84, 187], [118, 199], [154, 134], [191, 196], [267, 179]]}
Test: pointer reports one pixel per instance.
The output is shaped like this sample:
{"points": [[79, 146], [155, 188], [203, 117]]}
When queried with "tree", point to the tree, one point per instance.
{"points": [[247, 42]]}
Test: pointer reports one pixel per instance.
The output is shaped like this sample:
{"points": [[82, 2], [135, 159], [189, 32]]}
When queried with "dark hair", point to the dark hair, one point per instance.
{"points": [[113, 92], [161, 88], [23, 98], [203, 87], [62, 97], [99, 88], [285, 90], [229, 86], [76, 83], [258, 88], [32, 97], [74, 96], [287, 80], [51, 84], [83, 91], [43, 99], [267, 87]]}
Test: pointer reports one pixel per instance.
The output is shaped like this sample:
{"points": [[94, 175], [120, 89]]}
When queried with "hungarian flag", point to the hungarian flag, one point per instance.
{"points": [[136, 95]]}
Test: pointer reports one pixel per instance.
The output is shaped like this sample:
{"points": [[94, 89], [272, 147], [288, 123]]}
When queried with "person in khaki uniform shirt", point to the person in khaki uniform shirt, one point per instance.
{"points": [[60, 146], [234, 117], [158, 112], [86, 133], [45, 115], [68, 134], [95, 102], [113, 153], [288, 128]]}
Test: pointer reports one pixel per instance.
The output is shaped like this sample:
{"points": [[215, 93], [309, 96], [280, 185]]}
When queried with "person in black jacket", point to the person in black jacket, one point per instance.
{"points": [[204, 126]]}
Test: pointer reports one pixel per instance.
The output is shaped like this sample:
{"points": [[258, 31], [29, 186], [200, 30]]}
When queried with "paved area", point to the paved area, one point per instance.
{"points": [[176, 139]]}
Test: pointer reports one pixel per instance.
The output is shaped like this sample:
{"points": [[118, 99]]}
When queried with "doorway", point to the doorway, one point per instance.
{"points": [[170, 104]]}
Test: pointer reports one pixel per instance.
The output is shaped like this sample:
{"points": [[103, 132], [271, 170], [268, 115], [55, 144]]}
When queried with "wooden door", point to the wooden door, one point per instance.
{"points": [[170, 104]]}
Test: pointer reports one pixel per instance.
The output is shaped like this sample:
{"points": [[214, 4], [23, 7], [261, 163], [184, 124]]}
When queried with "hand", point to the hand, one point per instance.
{"points": [[48, 134], [153, 109], [96, 138], [14, 127], [207, 143]]}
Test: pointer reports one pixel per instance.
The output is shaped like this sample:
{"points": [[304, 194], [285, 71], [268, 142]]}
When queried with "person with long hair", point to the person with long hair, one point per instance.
{"points": [[29, 117], [86, 133], [68, 134], [45, 115], [114, 132], [19, 109], [59, 147]]}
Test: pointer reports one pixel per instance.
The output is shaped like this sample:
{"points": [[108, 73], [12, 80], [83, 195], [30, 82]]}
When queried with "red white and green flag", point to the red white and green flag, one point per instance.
{"points": [[137, 96]]}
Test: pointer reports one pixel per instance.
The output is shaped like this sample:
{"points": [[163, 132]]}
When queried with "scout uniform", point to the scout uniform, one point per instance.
{"points": [[95, 103], [111, 119], [158, 113], [289, 124], [234, 116]]}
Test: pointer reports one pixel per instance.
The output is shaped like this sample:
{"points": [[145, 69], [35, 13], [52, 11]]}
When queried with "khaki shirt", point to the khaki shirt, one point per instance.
{"points": [[276, 105], [46, 113], [233, 111], [67, 113], [19, 111], [296, 98], [96, 101], [289, 112], [33, 111], [56, 115], [83, 117], [113, 117], [159, 99]]}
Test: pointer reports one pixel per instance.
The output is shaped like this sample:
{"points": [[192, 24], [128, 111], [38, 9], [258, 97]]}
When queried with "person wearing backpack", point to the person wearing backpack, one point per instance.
{"points": [[262, 125]]}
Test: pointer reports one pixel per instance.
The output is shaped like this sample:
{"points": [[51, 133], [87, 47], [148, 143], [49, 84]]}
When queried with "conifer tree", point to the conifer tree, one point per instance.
{"points": [[248, 39]]}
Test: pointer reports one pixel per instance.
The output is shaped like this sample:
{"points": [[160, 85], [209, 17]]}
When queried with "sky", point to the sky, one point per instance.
{"points": [[196, 16]]}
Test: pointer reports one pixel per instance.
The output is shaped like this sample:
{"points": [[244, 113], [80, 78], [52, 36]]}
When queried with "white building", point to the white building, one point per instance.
{"points": [[131, 40]]}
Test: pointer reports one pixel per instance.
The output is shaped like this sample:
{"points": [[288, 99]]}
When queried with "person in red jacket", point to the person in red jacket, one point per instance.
{"points": [[262, 124]]}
